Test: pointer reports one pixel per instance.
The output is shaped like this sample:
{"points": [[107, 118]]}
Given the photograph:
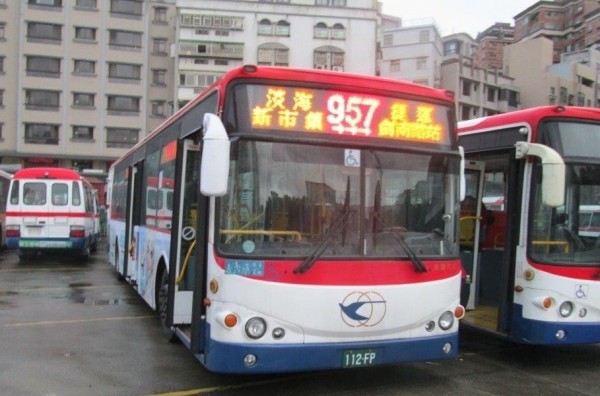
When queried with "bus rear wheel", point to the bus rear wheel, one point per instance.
{"points": [[162, 306]]}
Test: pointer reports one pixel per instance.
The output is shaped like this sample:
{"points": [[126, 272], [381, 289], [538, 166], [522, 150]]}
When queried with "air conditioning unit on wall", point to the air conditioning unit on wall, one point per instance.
{"points": [[337, 68]]}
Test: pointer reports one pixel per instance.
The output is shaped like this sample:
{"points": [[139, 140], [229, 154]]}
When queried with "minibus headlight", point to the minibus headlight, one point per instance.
{"points": [[256, 328]]}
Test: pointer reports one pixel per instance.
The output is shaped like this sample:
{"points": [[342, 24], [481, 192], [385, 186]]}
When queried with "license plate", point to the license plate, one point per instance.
{"points": [[359, 358], [34, 231]]}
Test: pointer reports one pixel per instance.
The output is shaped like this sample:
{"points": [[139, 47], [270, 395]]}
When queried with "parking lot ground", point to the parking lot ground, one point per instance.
{"points": [[71, 328]]}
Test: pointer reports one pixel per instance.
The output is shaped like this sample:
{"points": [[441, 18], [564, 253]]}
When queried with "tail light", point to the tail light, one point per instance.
{"points": [[77, 232], [13, 231]]}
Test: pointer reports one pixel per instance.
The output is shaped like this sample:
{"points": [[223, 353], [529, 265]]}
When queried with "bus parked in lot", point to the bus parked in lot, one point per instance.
{"points": [[4, 183], [314, 222], [534, 260], [51, 210]]}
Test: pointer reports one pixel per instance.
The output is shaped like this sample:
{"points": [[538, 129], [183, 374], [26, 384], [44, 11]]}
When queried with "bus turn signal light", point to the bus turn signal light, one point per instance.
{"points": [[230, 320]]}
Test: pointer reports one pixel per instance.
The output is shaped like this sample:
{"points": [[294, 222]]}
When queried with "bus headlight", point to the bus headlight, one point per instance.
{"points": [[256, 328], [566, 309], [446, 320]]}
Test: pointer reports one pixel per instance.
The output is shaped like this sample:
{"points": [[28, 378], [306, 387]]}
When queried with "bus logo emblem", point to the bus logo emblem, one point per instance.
{"points": [[360, 309]]}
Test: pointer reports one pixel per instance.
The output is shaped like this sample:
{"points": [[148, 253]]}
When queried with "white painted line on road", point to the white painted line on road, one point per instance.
{"points": [[74, 321]]}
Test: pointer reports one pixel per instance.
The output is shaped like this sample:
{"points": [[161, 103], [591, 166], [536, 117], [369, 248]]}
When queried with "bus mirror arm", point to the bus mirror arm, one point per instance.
{"points": [[553, 171], [214, 167], [463, 178]]}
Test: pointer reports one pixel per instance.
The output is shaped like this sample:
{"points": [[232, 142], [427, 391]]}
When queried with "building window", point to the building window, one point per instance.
{"points": [[282, 29], [321, 30], [127, 7], [86, 3], [338, 32], [422, 63], [85, 67], [388, 39], [41, 133], [265, 27], [159, 46], [158, 108], [83, 132], [2, 31], [47, 3], [38, 99], [124, 71], [563, 96], [395, 65], [159, 77], [84, 33], [332, 3], [1, 64], [160, 15], [329, 58], [122, 38], [82, 99], [273, 54], [221, 62], [121, 137], [123, 104], [42, 66], [424, 36], [222, 33], [44, 31], [1, 124], [491, 94], [1, 98], [466, 88]]}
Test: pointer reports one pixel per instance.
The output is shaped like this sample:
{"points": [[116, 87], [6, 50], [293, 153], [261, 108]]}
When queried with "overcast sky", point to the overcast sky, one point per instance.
{"points": [[457, 16]]}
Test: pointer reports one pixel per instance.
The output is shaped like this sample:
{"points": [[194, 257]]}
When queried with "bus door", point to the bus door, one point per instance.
{"points": [[470, 228], [186, 265], [133, 222]]}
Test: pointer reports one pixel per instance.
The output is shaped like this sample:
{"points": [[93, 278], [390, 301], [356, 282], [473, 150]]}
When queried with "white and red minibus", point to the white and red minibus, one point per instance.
{"points": [[51, 210]]}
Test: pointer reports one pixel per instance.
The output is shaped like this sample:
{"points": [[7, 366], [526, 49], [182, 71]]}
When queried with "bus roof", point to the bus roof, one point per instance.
{"points": [[47, 173], [530, 117]]}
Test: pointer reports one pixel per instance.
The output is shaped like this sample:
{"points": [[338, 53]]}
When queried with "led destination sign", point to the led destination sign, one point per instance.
{"points": [[343, 113]]}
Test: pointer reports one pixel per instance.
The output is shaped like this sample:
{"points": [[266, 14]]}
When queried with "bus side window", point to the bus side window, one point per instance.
{"points": [[14, 193], [76, 199]]}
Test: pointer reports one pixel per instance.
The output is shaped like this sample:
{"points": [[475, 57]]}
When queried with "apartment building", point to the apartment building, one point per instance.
{"points": [[544, 82], [83, 80], [214, 36], [571, 25], [411, 51], [489, 51], [417, 53]]}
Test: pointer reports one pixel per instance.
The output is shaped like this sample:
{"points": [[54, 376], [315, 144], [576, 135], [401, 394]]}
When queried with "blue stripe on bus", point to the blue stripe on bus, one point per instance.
{"points": [[229, 358], [529, 331]]}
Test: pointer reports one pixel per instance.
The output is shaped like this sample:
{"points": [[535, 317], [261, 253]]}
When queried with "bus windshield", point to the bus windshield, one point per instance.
{"points": [[570, 233], [292, 200]]}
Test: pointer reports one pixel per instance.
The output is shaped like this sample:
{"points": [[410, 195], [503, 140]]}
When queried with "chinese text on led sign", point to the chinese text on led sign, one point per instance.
{"points": [[307, 110]]}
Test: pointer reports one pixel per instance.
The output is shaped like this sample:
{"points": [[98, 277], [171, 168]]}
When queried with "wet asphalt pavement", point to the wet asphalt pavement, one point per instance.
{"points": [[71, 328]]}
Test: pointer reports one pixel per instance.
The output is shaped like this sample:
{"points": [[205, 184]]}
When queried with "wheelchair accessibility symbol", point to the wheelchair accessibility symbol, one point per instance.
{"points": [[581, 292], [352, 157]]}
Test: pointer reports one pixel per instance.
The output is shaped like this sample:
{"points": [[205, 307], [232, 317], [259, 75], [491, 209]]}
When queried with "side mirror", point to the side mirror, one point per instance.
{"points": [[214, 169], [553, 171]]}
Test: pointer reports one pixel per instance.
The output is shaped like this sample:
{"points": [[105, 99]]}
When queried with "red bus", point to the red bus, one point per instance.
{"points": [[313, 226], [527, 245], [4, 183]]}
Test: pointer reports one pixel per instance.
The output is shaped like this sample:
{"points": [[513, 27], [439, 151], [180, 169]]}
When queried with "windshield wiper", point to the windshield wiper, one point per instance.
{"points": [[416, 261], [338, 223]]}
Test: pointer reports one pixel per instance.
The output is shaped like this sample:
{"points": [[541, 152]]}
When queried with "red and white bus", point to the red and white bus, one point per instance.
{"points": [[314, 222], [534, 265], [4, 183], [51, 210]]}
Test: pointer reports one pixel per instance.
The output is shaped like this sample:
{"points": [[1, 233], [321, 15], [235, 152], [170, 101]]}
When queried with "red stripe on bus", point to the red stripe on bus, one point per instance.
{"points": [[583, 273], [354, 273]]}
